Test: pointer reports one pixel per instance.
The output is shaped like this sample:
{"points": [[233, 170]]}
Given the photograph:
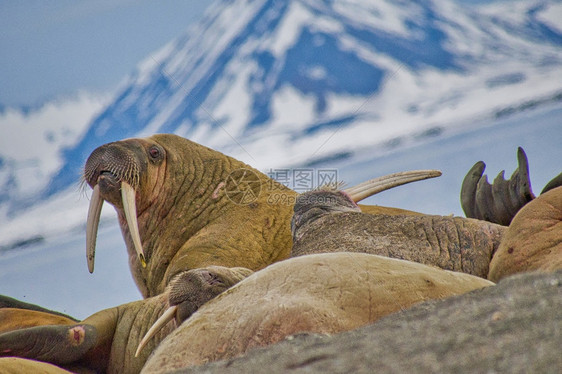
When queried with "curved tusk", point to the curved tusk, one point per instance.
{"points": [[92, 224], [169, 314], [376, 185], [130, 208]]}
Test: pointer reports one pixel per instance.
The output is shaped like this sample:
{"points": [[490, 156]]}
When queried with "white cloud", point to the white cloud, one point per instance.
{"points": [[30, 141]]}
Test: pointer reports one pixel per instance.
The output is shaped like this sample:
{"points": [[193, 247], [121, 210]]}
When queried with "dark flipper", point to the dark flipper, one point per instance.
{"points": [[500, 201], [56, 344]]}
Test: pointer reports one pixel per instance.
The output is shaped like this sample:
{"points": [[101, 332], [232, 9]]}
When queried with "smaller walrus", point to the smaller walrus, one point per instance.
{"points": [[324, 293], [329, 221]]}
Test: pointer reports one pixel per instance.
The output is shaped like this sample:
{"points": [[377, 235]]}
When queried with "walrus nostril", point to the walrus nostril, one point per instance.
{"points": [[108, 173]]}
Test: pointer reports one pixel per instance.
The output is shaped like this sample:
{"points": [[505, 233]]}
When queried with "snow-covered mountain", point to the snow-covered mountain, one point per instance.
{"points": [[289, 82]]}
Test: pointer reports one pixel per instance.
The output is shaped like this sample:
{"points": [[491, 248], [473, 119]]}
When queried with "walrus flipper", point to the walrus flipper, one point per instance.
{"points": [[500, 201], [57, 344]]}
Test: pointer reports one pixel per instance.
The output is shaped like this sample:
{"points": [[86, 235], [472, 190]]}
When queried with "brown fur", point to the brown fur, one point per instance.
{"points": [[533, 240], [324, 293]]}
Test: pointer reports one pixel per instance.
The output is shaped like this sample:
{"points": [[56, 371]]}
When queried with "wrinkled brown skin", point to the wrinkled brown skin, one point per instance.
{"points": [[107, 340], [16, 365], [331, 224], [186, 221], [324, 293], [533, 241]]}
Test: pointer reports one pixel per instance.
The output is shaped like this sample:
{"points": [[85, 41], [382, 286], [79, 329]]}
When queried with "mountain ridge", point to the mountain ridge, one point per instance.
{"points": [[271, 82]]}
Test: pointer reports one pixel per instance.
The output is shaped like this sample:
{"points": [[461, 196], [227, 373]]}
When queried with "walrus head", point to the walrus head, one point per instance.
{"points": [[170, 194], [113, 171], [311, 205]]}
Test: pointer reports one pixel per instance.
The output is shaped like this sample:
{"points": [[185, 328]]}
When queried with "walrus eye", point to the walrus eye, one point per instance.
{"points": [[155, 153]]}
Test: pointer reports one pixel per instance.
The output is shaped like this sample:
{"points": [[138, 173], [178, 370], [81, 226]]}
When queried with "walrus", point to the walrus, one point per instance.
{"points": [[533, 241], [184, 206], [106, 341], [329, 221], [322, 293]]}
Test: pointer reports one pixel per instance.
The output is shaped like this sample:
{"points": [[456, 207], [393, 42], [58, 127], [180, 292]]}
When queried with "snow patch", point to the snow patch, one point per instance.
{"points": [[31, 141], [551, 15]]}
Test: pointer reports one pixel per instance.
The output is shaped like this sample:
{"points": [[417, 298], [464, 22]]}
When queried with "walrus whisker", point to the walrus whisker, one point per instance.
{"points": [[168, 315], [376, 185], [92, 224], [130, 208]]}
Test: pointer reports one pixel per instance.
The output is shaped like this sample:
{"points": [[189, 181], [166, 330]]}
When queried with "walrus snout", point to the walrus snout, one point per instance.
{"points": [[110, 188], [312, 205], [120, 159], [114, 171], [189, 290]]}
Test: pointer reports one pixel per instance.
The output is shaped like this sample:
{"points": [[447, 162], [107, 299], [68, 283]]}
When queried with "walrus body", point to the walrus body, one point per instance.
{"points": [[324, 293], [328, 221]]}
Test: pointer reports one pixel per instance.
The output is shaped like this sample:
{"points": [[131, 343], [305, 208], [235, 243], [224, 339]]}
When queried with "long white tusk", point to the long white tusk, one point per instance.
{"points": [[169, 314], [376, 185], [92, 224], [130, 208]]}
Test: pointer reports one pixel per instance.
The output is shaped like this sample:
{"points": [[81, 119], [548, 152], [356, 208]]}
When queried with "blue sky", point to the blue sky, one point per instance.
{"points": [[55, 48]]}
